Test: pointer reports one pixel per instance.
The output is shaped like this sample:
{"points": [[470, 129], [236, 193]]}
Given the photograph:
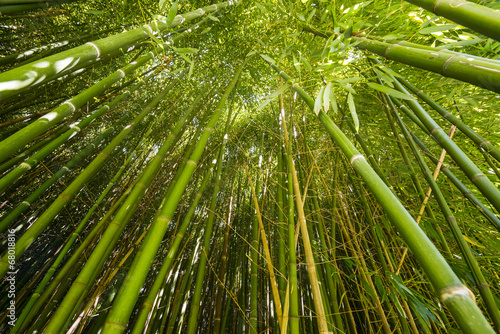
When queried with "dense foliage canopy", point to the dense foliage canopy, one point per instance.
{"points": [[250, 166]]}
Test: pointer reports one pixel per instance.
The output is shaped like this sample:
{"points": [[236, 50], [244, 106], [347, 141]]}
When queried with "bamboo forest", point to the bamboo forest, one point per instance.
{"points": [[267, 166]]}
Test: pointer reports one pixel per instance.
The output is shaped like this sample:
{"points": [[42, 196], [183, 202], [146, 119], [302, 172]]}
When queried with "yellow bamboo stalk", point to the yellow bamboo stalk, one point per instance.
{"points": [[269, 260], [311, 266]]}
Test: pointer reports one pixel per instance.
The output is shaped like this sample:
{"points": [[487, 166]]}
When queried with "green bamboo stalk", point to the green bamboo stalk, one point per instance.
{"points": [[471, 15], [40, 299], [478, 140], [471, 261], [118, 317], [477, 71], [192, 321], [415, 180], [332, 286], [67, 195], [292, 245], [23, 7], [22, 78], [27, 202], [30, 132], [311, 266], [485, 186], [254, 270], [222, 269], [449, 287], [280, 207]]}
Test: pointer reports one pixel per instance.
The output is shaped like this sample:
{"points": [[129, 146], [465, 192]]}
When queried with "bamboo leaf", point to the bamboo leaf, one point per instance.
{"points": [[326, 97], [296, 63], [268, 59], [333, 100], [172, 13], [273, 96], [94, 12], [279, 91], [352, 108], [472, 242], [306, 63], [186, 50], [389, 91], [319, 100], [191, 67], [444, 27], [213, 18]]}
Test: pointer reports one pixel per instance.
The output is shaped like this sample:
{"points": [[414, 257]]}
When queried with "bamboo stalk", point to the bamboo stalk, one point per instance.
{"points": [[471, 261], [30, 132], [471, 15], [270, 267], [311, 266], [169, 258], [479, 72]]}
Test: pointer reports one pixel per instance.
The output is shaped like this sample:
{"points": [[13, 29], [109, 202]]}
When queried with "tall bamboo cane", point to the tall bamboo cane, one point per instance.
{"points": [[480, 72], [311, 266], [31, 162], [479, 18]]}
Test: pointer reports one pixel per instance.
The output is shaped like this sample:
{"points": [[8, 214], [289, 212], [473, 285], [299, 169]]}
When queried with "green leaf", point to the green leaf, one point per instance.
{"points": [[206, 30], [186, 58], [326, 97], [444, 27], [306, 63], [389, 91], [348, 33], [191, 68], [352, 108], [172, 13], [273, 96], [94, 12], [319, 100], [391, 72], [296, 63], [213, 18], [268, 59], [279, 91], [333, 100], [186, 50]]}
